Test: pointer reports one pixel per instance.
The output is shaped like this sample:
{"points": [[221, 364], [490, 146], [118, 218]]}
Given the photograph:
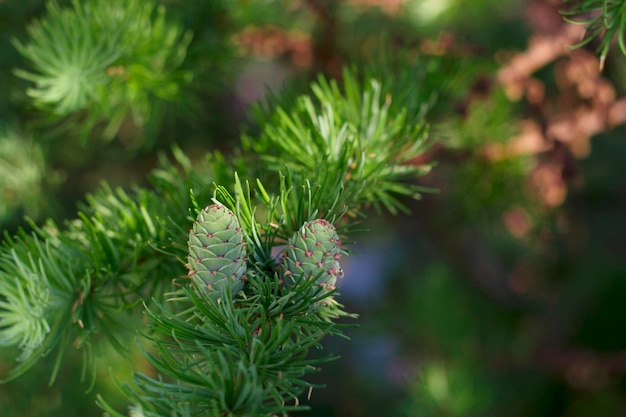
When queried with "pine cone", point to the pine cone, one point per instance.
{"points": [[313, 251], [217, 251]]}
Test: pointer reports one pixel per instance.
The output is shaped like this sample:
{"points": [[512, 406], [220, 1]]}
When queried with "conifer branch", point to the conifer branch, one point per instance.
{"points": [[239, 348], [105, 60], [259, 337], [605, 20], [350, 136], [73, 282]]}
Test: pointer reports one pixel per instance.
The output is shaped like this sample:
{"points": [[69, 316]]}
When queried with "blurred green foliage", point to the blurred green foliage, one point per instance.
{"points": [[467, 319], [24, 178]]}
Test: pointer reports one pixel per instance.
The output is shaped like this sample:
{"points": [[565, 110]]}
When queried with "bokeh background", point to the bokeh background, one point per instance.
{"points": [[501, 293]]}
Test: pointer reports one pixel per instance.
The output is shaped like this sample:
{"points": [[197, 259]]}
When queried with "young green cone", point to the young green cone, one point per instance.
{"points": [[313, 252], [217, 251]]}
